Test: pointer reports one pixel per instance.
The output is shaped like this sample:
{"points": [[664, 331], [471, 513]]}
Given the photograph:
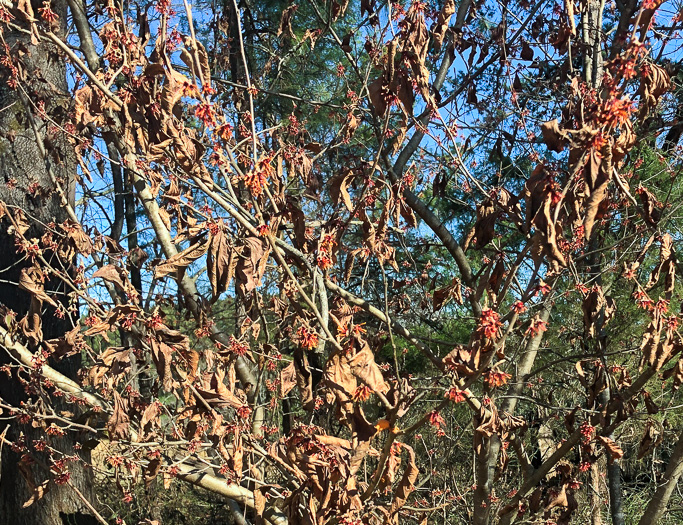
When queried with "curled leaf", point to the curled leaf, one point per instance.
{"points": [[181, 260], [555, 138], [612, 448]]}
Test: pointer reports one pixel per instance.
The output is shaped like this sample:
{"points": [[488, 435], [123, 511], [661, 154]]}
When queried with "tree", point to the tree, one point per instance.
{"points": [[35, 155], [358, 236]]}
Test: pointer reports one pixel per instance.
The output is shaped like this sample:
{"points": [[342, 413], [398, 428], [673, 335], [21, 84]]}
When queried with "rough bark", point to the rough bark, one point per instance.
{"points": [[22, 164]]}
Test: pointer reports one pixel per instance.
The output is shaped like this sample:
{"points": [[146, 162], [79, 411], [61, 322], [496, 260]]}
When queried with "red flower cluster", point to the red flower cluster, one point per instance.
{"points": [[519, 307], [308, 339], [456, 395], [496, 378], [436, 419], [536, 327], [489, 324]]}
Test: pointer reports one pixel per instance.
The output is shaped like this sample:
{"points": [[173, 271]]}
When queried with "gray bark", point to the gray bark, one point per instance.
{"points": [[655, 509], [22, 164], [486, 462]]}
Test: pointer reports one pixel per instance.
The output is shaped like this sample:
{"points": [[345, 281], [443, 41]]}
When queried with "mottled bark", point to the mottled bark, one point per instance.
{"points": [[591, 22]]}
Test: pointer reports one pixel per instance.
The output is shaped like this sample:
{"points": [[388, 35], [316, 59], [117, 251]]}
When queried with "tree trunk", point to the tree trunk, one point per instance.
{"points": [[23, 166], [595, 497], [655, 509], [673, 136], [486, 461], [616, 503]]}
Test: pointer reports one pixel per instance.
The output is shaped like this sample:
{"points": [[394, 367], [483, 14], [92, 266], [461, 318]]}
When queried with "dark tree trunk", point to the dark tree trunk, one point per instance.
{"points": [[673, 136], [23, 166]]}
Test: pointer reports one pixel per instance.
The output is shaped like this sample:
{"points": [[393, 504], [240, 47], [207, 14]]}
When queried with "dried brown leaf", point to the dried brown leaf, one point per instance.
{"points": [[442, 296], [181, 260], [554, 137], [441, 23], [407, 484], [251, 264], [31, 281], [339, 188], [119, 422], [221, 263], [612, 448], [287, 379], [364, 367]]}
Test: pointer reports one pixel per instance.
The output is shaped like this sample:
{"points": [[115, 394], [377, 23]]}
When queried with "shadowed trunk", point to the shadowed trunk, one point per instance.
{"points": [[23, 169], [592, 24]]}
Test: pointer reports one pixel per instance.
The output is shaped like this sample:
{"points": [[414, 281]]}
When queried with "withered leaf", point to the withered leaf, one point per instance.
{"points": [[204, 70], [560, 499], [677, 373], [596, 307], [298, 219], [76, 241], [251, 264], [441, 23], [378, 91], [181, 260], [214, 390], [31, 281], [653, 84], [346, 43], [472, 94], [115, 275], [37, 494], [113, 362], [651, 438], [287, 379], [69, 344], [407, 484], [484, 228], [137, 257], [651, 212], [285, 27], [443, 295], [304, 378], [364, 367], [555, 138], [462, 360], [37, 490], [339, 188], [650, 405], [25, 8], [151, 470], [220, 263], [349, 128], [666, 265], [20, 225], [162, 355], [612, 448], [150, 418], [339, 378], [597, 173], [119, 422], [527, 53]]}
